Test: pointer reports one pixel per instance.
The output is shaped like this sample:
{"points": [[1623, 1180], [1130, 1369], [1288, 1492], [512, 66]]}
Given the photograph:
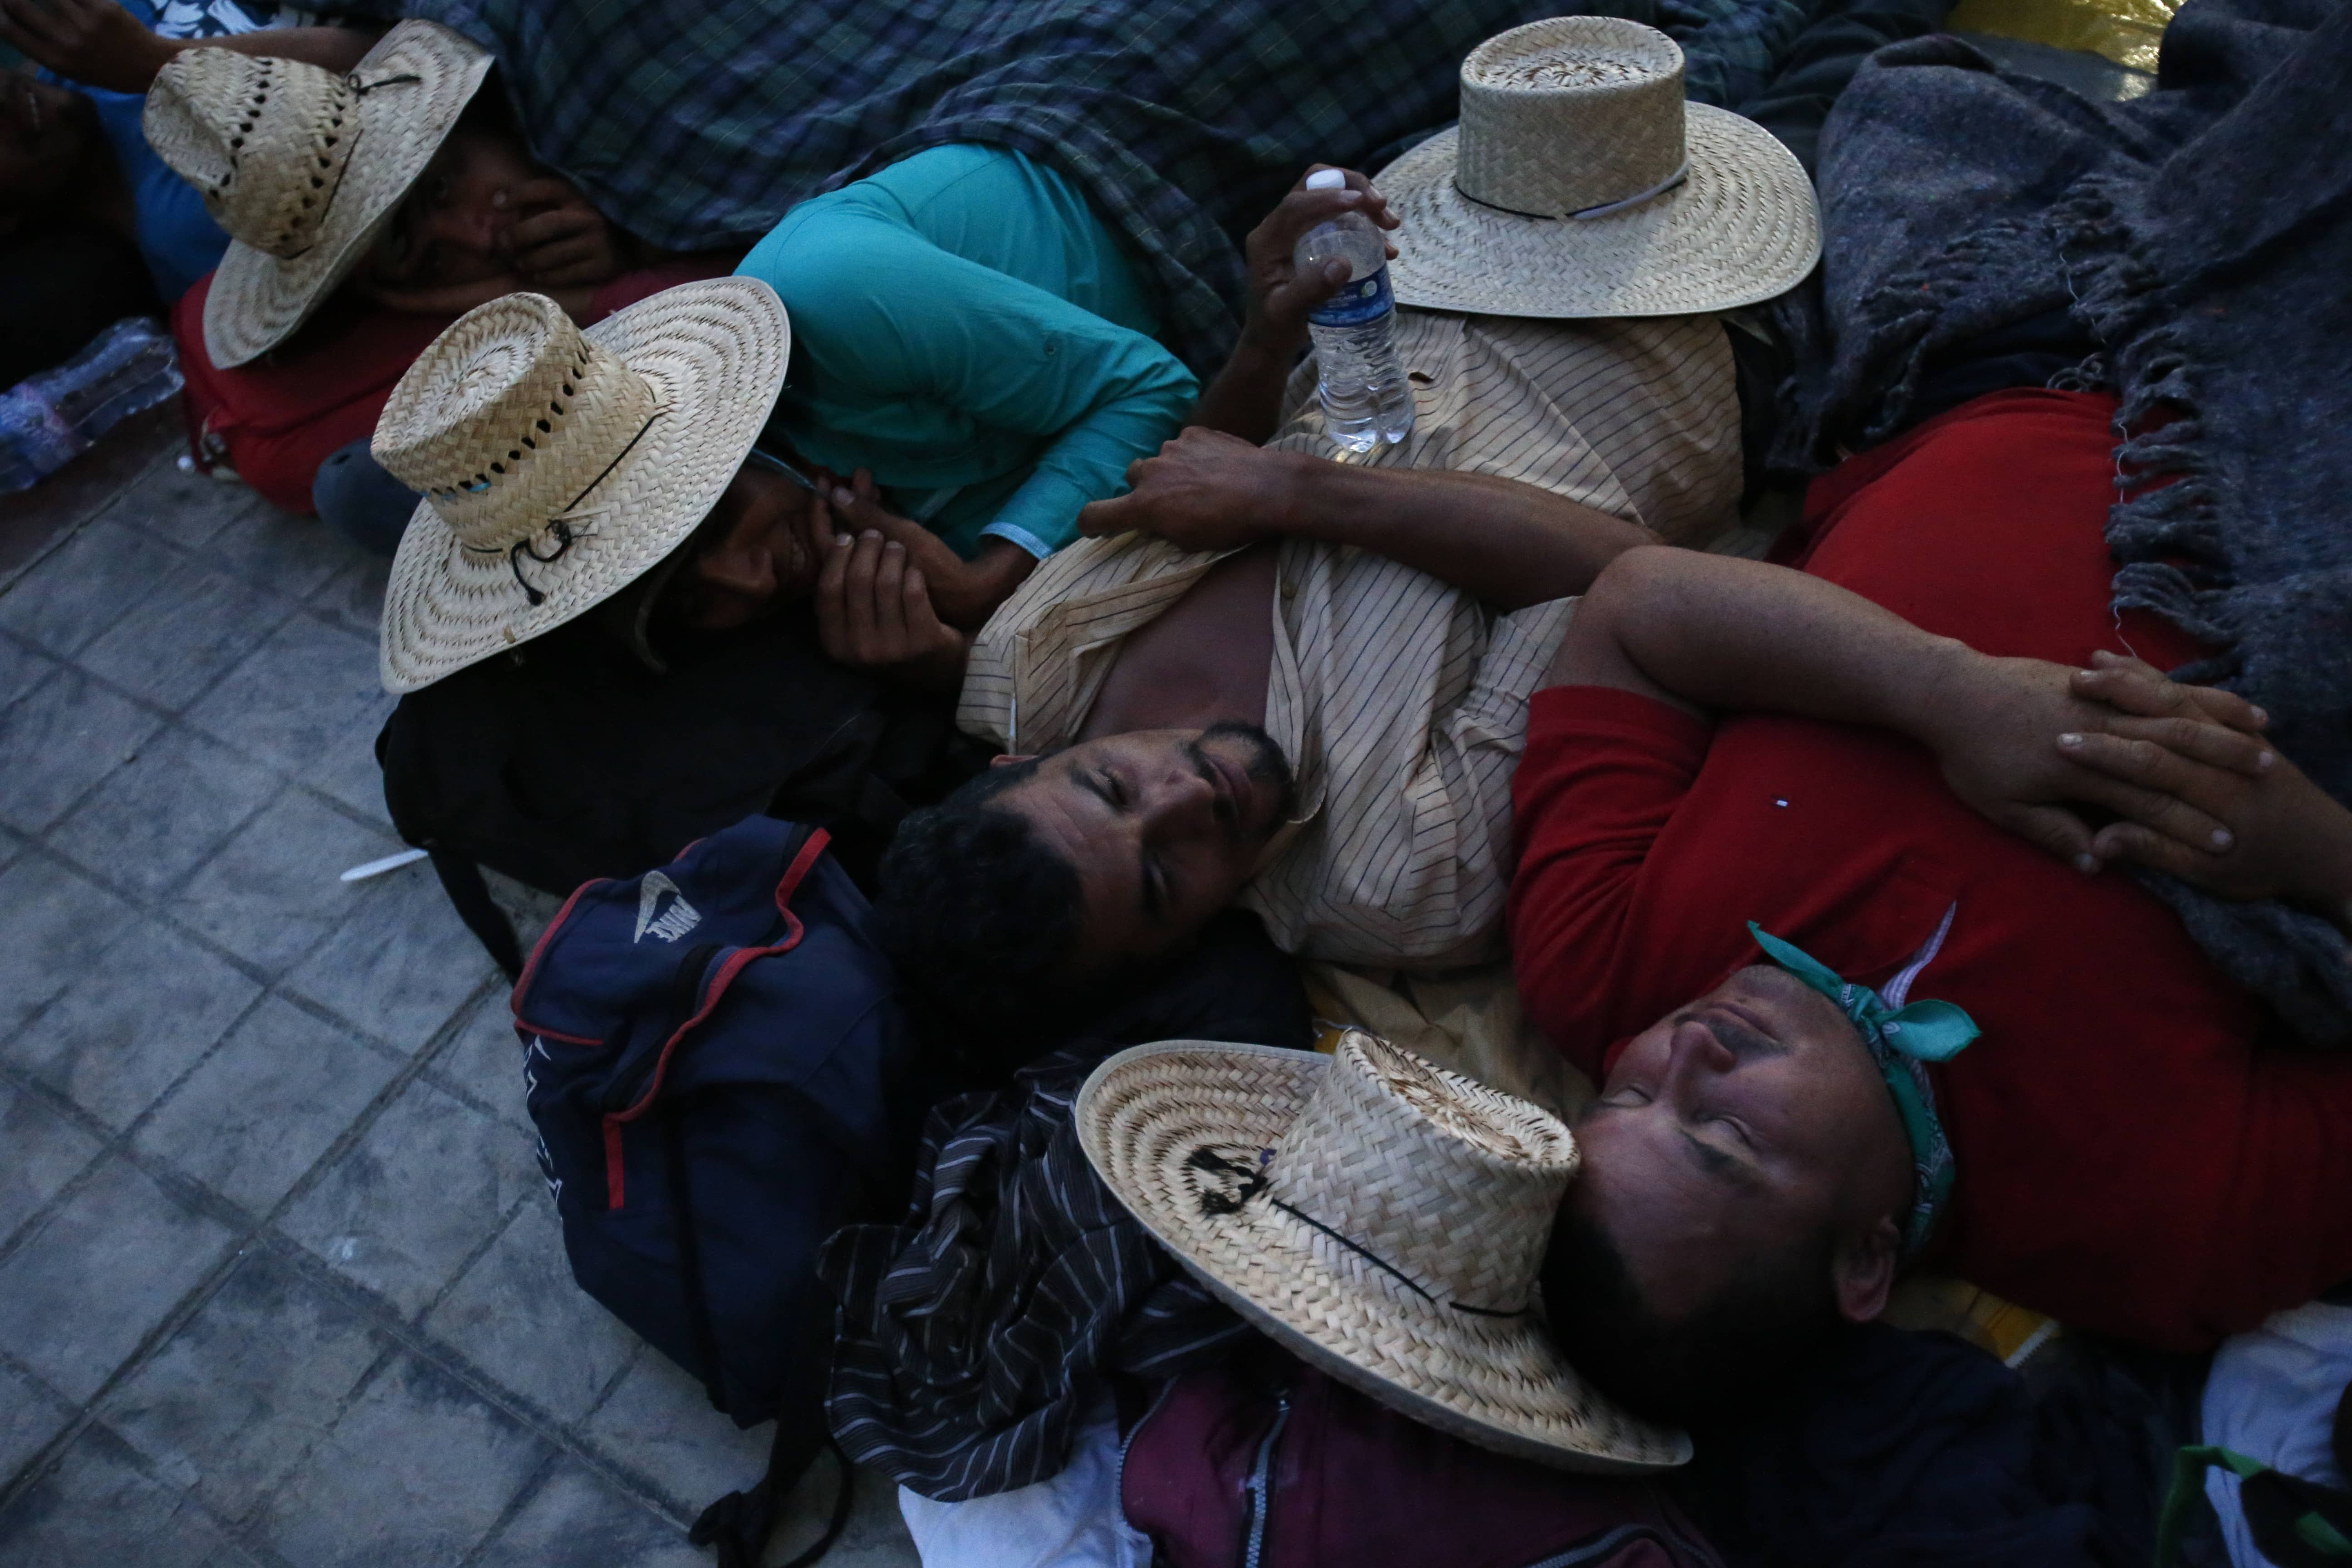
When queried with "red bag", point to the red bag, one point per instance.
{"points": [[276, 419], [1266, 1463]]}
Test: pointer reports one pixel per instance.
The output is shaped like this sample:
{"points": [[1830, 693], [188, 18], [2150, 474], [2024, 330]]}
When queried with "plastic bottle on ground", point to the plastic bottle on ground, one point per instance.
{"points": [[50, 418], [1366, 399]]}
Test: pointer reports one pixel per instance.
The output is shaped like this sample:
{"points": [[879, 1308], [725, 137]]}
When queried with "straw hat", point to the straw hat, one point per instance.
{"points": [[303, 167], [1578, 182], [559, 465], [1381, 1217]]}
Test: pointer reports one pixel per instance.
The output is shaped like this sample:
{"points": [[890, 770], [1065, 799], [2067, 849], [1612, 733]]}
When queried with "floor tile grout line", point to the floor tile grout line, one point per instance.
{"points": [[148, 590], [96, 512], [66, 668], [86, 1414], [457, 1088], [111, 1140], [524, 1496], [406, 1335], [474, 1255], [177, 1316], [292, 1257], [143, 907], [168, 457], [181, 714], [28, 646], [13, 1363], [296, 610], [160, 908], [158, 904], [569, 1437], [270, 984], [291, 607], [124, 1141], [279, 784], [180, 717]]}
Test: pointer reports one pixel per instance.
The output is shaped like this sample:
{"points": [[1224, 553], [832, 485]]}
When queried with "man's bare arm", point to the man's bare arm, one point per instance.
{"points": [[1711, 632], [98, 44], [1510, 543]]}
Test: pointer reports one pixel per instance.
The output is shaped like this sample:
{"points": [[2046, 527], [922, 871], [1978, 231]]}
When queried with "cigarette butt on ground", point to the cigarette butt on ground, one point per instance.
{"points": [[378, 868]]}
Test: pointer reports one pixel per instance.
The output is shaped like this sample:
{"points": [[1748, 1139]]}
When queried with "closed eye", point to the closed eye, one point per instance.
{"points": [[1737, 1128], [1150, 877]]}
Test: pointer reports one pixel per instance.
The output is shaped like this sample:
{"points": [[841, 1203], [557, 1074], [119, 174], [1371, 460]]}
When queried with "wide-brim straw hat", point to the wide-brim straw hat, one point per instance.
{"points": [[303, 167], [1580, 183], [1381, 1217], [558, 466]]}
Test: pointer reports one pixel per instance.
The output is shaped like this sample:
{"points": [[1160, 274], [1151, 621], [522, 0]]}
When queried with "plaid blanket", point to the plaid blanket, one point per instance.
{"points": [[696, 123]]}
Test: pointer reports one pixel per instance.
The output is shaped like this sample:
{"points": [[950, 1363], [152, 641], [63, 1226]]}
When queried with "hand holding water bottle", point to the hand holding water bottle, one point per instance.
{"points": [[1366, 397], [1282, 294]]}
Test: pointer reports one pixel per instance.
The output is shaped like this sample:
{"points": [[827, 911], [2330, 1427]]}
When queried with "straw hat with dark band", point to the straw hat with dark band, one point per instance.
{"points": [[560, 465], [1381, 1217], [1580, 183], [303, 167]]}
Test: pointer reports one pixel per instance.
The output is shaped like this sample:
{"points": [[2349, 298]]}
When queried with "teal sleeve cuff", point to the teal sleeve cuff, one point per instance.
{"points": [[1020, 536], [1042, 516]]}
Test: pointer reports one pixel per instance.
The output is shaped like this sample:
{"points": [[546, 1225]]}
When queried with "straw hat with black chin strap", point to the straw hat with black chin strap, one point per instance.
{"points": [[1580, 183], [559, 465], [1383, 1218], [303, 167]]}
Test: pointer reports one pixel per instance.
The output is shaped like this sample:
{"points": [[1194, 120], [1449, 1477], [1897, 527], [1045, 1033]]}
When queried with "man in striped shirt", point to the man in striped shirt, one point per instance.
{"points": [[1280, 678]]}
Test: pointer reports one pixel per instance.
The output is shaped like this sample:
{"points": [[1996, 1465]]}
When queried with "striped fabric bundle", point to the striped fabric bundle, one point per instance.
{"points": [[974, 1342], [974, 1337]]}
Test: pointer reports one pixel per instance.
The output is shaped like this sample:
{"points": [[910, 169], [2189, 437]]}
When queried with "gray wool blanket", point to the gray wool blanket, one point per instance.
{"points": [[2203, 236]]}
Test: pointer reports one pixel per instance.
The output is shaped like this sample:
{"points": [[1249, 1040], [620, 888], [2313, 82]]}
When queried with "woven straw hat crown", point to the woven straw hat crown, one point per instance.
{"points": [[1569, 114], [509, 418], [264, 140], [1450, 1184], [1379, 1215]]}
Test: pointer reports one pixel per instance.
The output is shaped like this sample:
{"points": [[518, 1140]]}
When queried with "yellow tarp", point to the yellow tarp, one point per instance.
{"points": [[2126, 31]]}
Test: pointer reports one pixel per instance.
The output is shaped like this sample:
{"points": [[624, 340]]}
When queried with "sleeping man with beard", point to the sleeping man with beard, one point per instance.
{"points": [[1322, 733], [1280, 681]]}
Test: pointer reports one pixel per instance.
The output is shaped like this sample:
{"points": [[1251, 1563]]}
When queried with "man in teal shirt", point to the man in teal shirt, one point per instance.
{"points": [[967, 333]]}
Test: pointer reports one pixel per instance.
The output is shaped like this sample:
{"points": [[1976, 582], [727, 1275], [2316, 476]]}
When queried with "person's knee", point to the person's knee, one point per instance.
{"points": [[357, 498]]}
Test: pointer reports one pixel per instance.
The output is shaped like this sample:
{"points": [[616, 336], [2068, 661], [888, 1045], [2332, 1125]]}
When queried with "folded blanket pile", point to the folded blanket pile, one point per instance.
{"points": [[2202, 235]]}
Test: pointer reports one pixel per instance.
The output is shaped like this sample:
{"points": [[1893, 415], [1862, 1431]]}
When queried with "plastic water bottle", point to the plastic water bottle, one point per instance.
{"points": [[1365, 397], [48, 419]]}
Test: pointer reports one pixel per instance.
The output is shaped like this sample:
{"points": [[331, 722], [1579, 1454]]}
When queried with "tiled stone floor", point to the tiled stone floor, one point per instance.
{"points": [[279, 1281]]}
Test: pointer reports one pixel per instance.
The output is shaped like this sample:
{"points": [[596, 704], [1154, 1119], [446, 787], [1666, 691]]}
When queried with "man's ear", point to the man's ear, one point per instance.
{"points": [[1864, 1269], [1007, 758]]}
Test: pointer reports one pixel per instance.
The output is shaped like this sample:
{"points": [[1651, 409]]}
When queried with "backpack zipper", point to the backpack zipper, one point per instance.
{"points": [[1118, 1472], [1260, 1484]]}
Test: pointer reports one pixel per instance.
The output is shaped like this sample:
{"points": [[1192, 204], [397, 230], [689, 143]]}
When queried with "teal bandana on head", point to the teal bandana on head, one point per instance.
{"points": [[1903, 1038]]}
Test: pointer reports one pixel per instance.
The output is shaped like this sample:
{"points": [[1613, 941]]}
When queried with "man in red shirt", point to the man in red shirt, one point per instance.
{"points": [[1827, 752]]}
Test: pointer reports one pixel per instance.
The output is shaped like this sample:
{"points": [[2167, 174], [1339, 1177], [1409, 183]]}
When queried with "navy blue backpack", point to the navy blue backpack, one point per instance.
{"points": [[721, 1076]]}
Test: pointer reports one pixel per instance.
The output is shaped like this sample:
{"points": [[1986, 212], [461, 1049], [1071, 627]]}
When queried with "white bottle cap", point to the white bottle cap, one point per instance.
{"points": [[1327, 180]]}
